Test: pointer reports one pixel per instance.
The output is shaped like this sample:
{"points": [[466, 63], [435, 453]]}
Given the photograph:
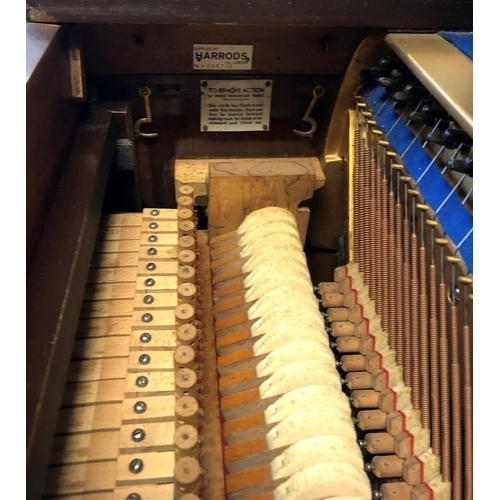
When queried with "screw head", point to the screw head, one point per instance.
{"points": [[141, 381], [149, 282], [134, 496], [153, 225], [152, 251], [153, 238], [138, 435], [147, 318], [140, 407], [155, 212], [136, 465], [145, 338], [144, 359], [150, 266], [148, 299]]}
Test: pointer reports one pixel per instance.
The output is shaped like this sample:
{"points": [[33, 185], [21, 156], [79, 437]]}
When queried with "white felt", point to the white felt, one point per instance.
{"points": [[263, 215], [275, 279]]}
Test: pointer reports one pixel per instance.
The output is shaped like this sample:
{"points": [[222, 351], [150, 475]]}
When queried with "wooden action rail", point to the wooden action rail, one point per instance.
{"points": [[128, 425]]}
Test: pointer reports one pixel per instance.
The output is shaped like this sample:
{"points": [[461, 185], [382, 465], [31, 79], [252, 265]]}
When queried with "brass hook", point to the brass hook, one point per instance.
{"points": [[144, 92], [318, 91]]}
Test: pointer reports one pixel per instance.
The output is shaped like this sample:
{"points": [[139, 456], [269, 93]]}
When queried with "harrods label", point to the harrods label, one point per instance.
{"points": [[235, 105], [222, 57]]}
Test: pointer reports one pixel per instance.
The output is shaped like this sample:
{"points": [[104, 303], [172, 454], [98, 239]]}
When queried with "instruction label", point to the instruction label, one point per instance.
{"points": [[222, 57], [235, 105]]}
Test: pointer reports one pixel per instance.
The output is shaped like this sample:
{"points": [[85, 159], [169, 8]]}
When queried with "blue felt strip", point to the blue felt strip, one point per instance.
{"points": [[462, 41], [454, 218]]}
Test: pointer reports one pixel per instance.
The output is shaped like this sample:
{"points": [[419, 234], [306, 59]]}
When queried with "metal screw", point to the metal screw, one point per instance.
{"points": [[144, 359], [148, 299], [147, 318], [134, 496], [368, 467], [140, 407], [153, 225], [145, 338], [138, 435], [141, 381], [150, 266], [155, 212], [153, 238], [149, 282], [136, 466], [151, 251]]}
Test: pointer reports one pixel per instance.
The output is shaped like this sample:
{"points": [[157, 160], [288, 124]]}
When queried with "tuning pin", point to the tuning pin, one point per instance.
{"points": [[459, 136], [419, 117], [416, 90], [435, 111], [389, 63], [390, 84], [463, 166], [378, 72], [402, 74], [437, 137]]}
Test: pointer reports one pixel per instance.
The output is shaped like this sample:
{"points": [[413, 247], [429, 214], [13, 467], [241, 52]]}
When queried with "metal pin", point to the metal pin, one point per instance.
{"points": [[151, 251], [138, 435], [140, 407], [145, 338], [153, 238], [136, 466], [148, 299], [150, 266], [141, 381], [134, 496], [153, 225], [147, 318], [144, 359], [149, 282], [155, 212]]}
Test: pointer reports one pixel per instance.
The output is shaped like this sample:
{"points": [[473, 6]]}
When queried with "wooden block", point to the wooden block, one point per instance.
{"points": [[370, 420], [98, 417], [160, 318], [161, 239], [85, 447], [116, 246], [158, 408], [232, 338], [243, 424], [111, 275], [122, 259], [150, 360], [155, 226], [155, 300], [248, 478], [240, 187], [157, 436], [378, 443], [396, 491], [358, 380], [90, 393], [79, 478], [97, 369], [108, 291], [241, 450], [229, 290], [157, 383], [161, 252], [159, 214], [158, 283], [119, 233], [387, 466], [101, 347], [159, 268], [126, 219], [145, 491], [230, 402], [157, 466], [147, 339], [107, 308]]}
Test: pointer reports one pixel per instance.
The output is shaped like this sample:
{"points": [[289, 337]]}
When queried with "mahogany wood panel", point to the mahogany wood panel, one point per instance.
{"points": [[50, 122], [56, 284], [402, 14], [160, 49], [175, 107]]}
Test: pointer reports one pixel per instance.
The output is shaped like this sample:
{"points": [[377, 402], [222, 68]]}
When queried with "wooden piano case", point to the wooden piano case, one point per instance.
{"points": [[87, 64]]}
